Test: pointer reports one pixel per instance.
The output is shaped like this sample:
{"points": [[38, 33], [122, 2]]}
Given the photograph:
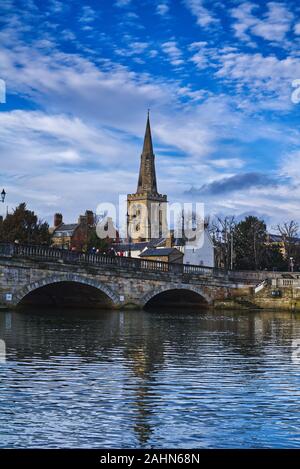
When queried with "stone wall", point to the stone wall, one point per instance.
{"points": [[18, 277]]}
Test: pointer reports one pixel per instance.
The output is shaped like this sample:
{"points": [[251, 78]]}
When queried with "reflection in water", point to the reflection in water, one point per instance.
{"points": [[160, 379]]}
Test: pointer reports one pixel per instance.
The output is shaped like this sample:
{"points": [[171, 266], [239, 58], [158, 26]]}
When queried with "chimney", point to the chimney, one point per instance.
{"points": [[89, 217], [58, 218], [169, 240], [81, 219]]}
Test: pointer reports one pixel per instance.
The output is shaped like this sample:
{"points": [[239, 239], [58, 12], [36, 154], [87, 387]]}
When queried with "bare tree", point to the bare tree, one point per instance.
{"points": [[289, 232], [222, 230]]}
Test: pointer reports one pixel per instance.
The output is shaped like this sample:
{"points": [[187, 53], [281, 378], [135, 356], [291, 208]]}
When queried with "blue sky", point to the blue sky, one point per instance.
{"points": [[217, 76]]}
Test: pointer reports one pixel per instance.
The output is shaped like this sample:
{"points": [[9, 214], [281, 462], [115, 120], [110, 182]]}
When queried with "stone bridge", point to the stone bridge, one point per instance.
{"points": [[47, 276]]}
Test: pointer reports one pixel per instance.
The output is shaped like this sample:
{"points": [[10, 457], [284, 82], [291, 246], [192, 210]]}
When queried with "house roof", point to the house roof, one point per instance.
{"points": [[179, 242], [276, 238], [123, 247], [157, 242], [65, 229], [160, 252]]}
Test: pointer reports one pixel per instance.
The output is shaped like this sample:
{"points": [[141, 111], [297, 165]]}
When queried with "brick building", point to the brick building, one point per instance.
{"points": [[72, 236], [171, 255]]}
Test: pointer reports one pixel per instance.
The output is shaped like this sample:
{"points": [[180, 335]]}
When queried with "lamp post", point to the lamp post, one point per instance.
{"points": [[128, 234], [3, 195], [219, 247], [231, 250]]}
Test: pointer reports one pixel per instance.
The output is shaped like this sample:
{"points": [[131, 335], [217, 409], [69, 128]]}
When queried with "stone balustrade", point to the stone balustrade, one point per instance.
{"points": [[54, 254]]}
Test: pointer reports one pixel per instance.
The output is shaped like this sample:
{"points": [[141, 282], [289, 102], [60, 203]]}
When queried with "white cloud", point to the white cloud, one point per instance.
{"points": [[273, 26], [71, 83], [260, 81], [203, 16], [297, 28], [245, 19], [85, 145], [88, 15], [276, 23], [153, 53], [172, 50], [228, 163], [49, 159], [7, 5], [290, 166], [163, 8], [195, 139], [57, 139], [122, 3], [56, 6], [203, 57], [267, 78], [134, 48]]}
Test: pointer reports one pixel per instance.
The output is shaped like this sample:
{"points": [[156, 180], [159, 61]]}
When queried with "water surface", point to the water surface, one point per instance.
{"points": [[149, 379]]}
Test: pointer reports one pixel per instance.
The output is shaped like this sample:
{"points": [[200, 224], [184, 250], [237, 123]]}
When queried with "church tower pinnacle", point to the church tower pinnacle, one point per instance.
{"points": [[147, 177], [146, 209]]}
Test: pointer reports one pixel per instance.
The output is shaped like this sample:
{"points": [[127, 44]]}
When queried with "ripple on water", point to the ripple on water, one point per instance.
{"points": [[136, 379]]}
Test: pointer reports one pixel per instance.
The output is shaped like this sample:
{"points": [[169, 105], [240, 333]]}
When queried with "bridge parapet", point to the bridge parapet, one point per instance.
{"points": [[285, 283], [187, 271], [125, 281], [46, 253]]}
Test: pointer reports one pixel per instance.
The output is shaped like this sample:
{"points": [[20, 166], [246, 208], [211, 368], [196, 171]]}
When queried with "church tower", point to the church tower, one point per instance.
{"points": [[147, 209]]}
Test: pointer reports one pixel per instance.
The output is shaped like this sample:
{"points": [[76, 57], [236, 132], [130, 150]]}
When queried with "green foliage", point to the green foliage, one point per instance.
{"points": [[24, 226], [249, 235], [252, 252], [273, 259], [95, 242]]}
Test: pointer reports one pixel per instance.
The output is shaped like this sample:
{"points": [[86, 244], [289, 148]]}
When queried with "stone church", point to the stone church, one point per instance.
{"points": [[146, 208], [148, 234]]}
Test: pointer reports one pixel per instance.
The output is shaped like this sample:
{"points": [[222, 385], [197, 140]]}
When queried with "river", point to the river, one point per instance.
{"points": [[163, 379]]}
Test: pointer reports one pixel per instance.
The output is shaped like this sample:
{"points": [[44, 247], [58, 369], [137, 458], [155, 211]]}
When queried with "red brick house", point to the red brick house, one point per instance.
{"points": [[72, 236]]}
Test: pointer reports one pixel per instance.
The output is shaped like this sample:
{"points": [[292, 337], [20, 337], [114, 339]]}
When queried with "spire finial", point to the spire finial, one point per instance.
{"points": [[147, 177]]}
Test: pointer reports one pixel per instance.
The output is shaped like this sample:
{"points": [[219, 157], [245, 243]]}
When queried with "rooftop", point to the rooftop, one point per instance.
{"points": [[160, 252], [65, 229], [138, 246]]}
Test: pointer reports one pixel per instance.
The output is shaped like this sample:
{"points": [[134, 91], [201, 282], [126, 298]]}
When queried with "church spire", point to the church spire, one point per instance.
{"points": [[148, 148], [147, 177]]}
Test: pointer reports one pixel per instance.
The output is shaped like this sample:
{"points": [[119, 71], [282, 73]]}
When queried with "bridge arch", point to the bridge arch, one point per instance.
{"points": [[156, 292], [63, 279]]}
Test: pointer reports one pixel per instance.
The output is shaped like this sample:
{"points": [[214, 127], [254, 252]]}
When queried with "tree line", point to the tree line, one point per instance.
{"points": [[247, 245], [24, 226], [241, 245]]}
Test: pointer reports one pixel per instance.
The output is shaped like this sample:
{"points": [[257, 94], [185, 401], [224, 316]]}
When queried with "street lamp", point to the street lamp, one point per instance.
{"points": [[3, 194], [128, 234], [231, 250]]}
